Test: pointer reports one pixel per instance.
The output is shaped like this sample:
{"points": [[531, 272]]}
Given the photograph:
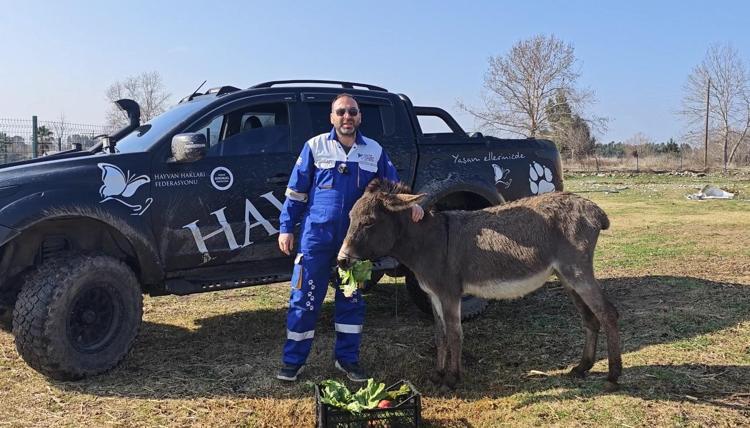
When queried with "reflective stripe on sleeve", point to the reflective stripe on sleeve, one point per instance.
{"points": [[293, 335], [348, 328], [295, 196]]}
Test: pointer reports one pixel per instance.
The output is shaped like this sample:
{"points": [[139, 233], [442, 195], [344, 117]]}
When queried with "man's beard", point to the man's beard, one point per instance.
{"points": [[347, 132]]}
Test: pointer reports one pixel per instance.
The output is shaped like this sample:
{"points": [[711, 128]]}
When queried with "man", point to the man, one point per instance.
{"points": [[331, 173]]}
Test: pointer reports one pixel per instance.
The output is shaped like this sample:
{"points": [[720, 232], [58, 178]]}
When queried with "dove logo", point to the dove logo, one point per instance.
{"points": [[116, 186], [501, 175]]}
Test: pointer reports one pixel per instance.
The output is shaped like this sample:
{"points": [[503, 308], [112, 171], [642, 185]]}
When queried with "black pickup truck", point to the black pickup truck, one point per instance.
{"points": [[189, 202]]}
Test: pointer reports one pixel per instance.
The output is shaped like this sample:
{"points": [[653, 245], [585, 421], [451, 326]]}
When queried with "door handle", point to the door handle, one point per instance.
{"points": [[278, 179]]}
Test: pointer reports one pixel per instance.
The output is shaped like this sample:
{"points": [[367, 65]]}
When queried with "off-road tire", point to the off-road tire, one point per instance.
{"points": [[77, 315], [471, 306]]}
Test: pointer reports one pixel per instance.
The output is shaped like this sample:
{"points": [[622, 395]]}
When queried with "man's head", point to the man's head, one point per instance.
{"points": [[345, 115]]}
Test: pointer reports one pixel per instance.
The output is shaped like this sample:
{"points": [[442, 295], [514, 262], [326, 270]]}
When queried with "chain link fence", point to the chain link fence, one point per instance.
{"points": [[22, 139]]}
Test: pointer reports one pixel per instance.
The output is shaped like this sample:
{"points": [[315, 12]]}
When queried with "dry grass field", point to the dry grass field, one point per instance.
{"points": [[677, 270]]}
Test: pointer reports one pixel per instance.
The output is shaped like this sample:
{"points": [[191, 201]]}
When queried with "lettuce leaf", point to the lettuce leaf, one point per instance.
{"points": [[336, 394], [352, 278]]}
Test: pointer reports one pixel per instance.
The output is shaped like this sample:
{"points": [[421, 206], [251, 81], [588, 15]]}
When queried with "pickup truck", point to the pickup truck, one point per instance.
{"points": [[189, 202]]}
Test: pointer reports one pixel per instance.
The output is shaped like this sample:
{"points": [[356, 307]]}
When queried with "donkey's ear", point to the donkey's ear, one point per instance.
{"points": [[402, 201], [410, 199]]}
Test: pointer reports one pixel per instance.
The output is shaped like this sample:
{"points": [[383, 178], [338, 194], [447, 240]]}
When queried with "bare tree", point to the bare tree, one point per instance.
{"points": [[520, 87], [729, 103], [60, 129], [147, 89]]}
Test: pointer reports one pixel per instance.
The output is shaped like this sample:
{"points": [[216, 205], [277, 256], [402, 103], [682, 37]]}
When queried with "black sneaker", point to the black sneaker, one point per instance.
{"points": [[353, 371], [289, 372]]}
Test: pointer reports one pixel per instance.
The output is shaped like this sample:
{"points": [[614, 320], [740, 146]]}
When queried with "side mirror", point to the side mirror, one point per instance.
{"points": [[189, 147]]}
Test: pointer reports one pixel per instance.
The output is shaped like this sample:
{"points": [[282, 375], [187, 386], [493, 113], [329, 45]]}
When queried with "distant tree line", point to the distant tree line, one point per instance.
{"points": [[532, 91], [620, 149]]}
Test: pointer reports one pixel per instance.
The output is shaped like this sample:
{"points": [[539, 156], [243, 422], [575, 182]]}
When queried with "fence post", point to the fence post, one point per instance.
{"points": [[34, 137]]}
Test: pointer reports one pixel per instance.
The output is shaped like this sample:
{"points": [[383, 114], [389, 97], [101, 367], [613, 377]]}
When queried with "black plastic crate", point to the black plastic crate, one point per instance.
{"points": [[405, 413]]}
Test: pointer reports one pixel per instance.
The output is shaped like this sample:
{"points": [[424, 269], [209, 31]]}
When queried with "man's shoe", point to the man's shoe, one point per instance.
{"points": [[289, 372], [353, 371]]}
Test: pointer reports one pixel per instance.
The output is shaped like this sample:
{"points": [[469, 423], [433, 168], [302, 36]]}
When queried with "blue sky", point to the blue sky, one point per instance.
{"points": [[61, 56]]}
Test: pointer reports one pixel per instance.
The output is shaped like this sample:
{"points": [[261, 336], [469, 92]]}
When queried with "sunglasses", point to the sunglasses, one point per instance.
{"points": [[353, 111]]}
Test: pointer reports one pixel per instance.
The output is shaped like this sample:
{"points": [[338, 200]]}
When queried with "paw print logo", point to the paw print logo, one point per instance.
{"points": [[540, 179]]}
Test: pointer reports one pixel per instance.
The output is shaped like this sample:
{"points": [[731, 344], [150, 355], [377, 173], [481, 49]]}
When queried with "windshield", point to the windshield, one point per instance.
{"points": [[143, 137]]}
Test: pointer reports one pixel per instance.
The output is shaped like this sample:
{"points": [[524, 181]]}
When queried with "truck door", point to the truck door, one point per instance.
{"points": [[224, 209]]}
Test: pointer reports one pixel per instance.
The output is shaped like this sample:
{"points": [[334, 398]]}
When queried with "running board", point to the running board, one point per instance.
{"points": [[185, 286]]}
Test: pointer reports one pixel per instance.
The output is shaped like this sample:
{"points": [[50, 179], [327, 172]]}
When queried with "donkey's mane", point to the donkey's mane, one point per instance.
{"points": [[388, 187]]}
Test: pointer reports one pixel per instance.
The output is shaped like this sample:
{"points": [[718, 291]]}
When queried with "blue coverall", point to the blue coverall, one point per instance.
{"points": [[324, 185]]}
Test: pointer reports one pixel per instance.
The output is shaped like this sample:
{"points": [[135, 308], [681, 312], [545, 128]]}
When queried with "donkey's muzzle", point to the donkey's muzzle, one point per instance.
{"points": [[344, 263]]}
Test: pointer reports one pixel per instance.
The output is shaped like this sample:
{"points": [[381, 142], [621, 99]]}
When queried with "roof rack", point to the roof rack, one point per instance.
{"points": [[221, 90], [346, 85]]}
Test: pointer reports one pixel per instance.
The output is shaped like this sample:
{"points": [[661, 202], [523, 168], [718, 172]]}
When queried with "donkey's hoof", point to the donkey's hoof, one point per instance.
{"points": [[611, 386], [450, 380], [436, 377], [577, 372], [445, 389]]}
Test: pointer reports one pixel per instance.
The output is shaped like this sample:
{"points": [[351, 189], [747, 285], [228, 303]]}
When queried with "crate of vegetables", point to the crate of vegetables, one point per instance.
{"points": [[373, 405]]}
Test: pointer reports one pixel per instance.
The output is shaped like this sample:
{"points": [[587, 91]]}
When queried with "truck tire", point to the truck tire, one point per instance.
{"points": [[471, 306], [77, 315], [438, 199]]}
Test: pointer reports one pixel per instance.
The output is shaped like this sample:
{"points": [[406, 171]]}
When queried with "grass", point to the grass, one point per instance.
{"points": [[677, 270]]}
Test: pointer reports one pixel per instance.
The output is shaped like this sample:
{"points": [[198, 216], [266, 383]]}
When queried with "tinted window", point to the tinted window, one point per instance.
{"points": [[372, 119], [262, 128]]}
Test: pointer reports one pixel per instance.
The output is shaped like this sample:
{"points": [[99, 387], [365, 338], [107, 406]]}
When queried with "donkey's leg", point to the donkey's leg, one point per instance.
{"points": [[582, 281], [454, 339], [442, 350], [590, 328]]}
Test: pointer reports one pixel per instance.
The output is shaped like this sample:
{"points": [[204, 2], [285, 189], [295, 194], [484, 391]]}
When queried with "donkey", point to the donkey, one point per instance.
{"points": [[501, 252]]}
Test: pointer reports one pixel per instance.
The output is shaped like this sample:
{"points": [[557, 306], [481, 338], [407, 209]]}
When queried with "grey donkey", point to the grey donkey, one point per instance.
{"points": [[501, 252]]}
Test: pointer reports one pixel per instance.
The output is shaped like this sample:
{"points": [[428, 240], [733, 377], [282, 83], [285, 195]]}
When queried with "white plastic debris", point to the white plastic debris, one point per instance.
{"points": [[711, 192]]}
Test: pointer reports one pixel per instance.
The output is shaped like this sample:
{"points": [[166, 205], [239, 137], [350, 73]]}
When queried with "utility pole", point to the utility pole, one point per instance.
{"points": [[34, 137], [705, 144]]}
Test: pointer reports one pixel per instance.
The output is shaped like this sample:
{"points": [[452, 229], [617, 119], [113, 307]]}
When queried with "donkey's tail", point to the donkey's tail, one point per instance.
{"points": [[601, 216]]}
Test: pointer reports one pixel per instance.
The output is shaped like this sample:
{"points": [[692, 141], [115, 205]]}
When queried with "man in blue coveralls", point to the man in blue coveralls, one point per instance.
{"points": [[331, 173]]}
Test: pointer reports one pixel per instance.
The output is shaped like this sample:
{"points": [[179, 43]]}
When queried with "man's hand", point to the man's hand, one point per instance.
{"points": [[286, 243], [416, 213]]}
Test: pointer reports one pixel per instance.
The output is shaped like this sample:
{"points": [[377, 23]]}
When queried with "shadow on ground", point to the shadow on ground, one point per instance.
{"points": [[237, 354]]}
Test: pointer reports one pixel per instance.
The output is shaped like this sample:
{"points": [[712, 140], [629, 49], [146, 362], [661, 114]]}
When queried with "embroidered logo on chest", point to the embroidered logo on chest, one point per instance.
{"points": [[366, 157]]}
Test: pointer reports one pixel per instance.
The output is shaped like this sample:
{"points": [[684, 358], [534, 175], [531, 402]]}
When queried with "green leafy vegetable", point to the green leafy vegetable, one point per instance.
{"points": [[352, 278], [395, 395], [336, 394]]}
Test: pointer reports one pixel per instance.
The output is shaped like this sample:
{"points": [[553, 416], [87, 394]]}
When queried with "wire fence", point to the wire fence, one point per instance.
{"points": [[17, 137]]}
